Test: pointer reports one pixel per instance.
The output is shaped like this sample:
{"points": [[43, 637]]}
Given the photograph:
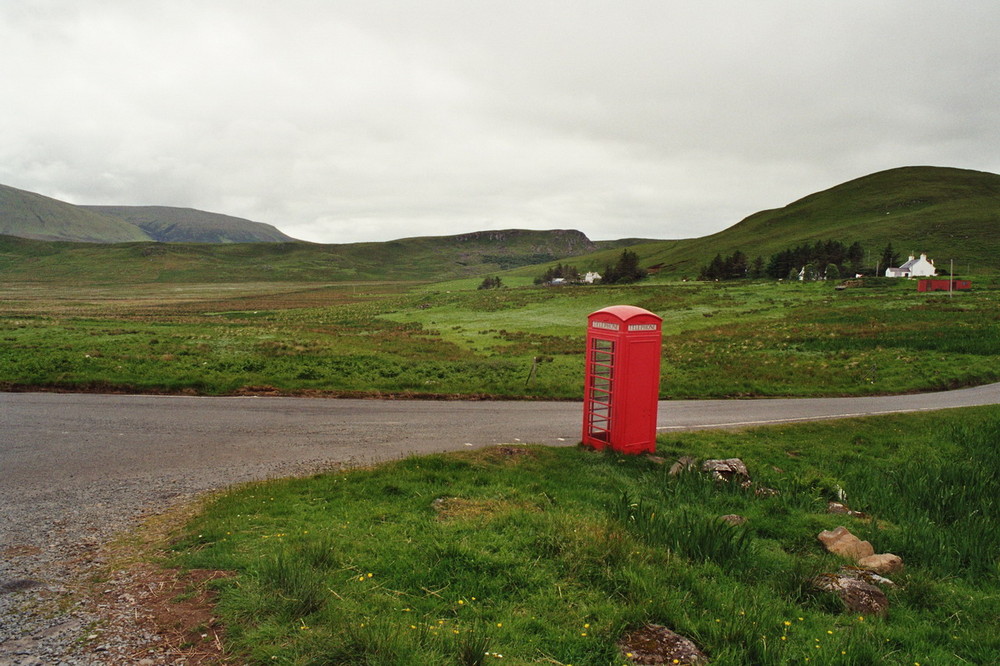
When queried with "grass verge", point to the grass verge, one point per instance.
{"points": [[550, 555]]}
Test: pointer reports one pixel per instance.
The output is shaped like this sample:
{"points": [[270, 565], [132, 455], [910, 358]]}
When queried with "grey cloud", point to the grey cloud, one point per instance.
{"points": [[371, 120]]}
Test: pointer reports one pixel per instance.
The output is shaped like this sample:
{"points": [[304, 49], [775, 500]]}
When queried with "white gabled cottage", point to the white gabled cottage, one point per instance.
{"points": [[913, 268]]}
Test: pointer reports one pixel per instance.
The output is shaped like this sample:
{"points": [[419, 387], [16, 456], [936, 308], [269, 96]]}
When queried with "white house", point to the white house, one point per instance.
{"points": [[591, 277], [913, 268]]}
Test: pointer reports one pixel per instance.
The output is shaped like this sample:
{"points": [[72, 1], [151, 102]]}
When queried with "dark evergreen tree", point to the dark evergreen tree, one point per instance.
{"points": [[855, 257], [625, 270], [491, 283], [889, 258], [736, 266], [567, 272], [715, 270]]}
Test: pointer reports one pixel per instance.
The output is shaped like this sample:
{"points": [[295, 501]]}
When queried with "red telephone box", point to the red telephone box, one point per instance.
{"points": [[622, 386]]}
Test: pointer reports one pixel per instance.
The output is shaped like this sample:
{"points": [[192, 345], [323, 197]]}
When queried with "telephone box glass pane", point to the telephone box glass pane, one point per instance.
{"points": [[601, 356], [602, 371], [599, 425], [598, 395]]}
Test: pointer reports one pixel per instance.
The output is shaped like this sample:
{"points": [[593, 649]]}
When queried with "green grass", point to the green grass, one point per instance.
{"points": [[550, 555], [720, 340]]}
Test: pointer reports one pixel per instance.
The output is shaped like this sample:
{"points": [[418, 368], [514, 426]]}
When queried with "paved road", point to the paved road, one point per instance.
{"points": [[60, 440]]}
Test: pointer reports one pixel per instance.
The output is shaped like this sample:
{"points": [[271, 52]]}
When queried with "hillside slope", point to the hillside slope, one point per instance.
{"points": [[416, 259], [168, 224], [30, 215], [947, 213]]}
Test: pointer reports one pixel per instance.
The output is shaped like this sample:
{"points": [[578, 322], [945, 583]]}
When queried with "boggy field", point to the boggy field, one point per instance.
{"points": [[720, 340]]}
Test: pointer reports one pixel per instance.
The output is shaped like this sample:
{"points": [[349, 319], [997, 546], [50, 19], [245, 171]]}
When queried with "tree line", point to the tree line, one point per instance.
{"points": [[623, 271], [821, 260]]}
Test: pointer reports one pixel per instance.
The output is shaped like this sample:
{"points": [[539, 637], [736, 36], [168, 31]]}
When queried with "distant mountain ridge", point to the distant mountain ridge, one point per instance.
{"points": [[168, 224], [30, 215]]}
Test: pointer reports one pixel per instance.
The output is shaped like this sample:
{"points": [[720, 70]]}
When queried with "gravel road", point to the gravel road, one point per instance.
{"points": [[77, 469]]}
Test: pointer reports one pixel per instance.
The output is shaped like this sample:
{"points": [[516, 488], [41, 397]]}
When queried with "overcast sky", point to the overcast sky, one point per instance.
{"points": [[341, 121]]}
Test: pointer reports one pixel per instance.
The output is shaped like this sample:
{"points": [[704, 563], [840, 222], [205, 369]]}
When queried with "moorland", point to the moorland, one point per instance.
{"points": [[405, 318], [551, 556], [753, 339]]}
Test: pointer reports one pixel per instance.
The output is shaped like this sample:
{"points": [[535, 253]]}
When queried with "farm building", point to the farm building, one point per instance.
{"points": [[943, 285], [913, 268]]}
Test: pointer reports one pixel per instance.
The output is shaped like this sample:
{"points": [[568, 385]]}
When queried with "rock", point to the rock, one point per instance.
{"points": [[729, 469], [885, 563], [683, 464], [655, 644], [840, 508], [657, 460], [764, 491], [733, 519], [858, 595], [841, 542], [867, 576]]}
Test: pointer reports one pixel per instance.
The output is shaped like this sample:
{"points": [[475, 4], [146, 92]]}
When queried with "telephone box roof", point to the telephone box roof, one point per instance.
{"points": [[625, 312]]}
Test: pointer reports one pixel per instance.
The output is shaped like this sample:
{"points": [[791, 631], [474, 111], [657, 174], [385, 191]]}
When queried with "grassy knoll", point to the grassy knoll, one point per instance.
{"points": [[550, 555], [755, 339]]}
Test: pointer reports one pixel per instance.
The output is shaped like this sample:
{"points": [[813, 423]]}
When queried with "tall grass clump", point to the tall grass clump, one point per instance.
{"points": [[299, 589], [697, 537], [944, 506]]}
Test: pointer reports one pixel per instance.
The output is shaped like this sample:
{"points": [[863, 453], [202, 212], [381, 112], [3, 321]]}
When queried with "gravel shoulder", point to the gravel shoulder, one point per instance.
{"points": [[54, 551]]}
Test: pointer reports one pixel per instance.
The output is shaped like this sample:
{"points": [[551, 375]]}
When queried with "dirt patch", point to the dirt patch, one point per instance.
{"points": [[173, 611], [19, 585], [461, 508], [506, 454], [152, 614]]}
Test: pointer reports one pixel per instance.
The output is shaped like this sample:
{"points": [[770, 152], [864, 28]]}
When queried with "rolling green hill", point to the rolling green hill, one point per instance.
{"points": [[187, 225], [31, 215], [947, 213], [422, 258]]}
